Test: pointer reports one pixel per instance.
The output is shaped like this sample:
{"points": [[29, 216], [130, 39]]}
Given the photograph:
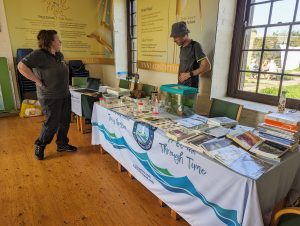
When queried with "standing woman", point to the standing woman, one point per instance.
{"points": [[46, 67]]}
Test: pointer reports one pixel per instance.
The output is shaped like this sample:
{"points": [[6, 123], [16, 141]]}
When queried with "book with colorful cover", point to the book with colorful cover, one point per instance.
{"points": [[292, 128], [285, 142], [215, 144], [279, 130], [245, 139], [195, 142], [286, 118], [277, 134], [180, 133], [269, 150]]}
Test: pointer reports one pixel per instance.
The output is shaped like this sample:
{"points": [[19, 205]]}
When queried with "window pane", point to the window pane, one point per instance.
{"points": [[134, 44], [269, 84], [134, 6], [298, 13], [133, 19], [273, 61], [292, 65], [134, 56], [134, 32], [250, 60], [295, 37], [277, 37], [291, 85], [254, 38], [134, 67], [283, 11], [259, 14], [248, 81]]}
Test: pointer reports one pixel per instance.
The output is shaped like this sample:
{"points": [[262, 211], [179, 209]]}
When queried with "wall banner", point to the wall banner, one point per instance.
{"points": [[156, 50], [85, 28]]}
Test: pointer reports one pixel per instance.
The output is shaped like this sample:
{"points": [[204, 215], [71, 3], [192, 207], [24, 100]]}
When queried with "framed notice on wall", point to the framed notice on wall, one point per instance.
{"points": [[85, 27], [156, 50]]}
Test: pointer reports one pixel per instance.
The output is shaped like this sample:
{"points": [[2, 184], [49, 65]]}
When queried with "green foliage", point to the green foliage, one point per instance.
{"points": [[293, 91]]}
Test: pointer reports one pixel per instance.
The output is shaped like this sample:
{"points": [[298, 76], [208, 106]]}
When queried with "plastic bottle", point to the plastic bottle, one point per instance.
{"points": [[101, 101], [155, 106], [282, 102], [140, 107]]}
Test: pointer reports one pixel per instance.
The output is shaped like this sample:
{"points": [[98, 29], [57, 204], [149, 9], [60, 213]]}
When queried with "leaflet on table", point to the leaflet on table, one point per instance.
{"points": [[250, 166], [222, 121], [189, 122], [217, 131]]}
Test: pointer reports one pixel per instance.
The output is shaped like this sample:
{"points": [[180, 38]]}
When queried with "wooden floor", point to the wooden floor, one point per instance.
{"points": [[82, 188]]}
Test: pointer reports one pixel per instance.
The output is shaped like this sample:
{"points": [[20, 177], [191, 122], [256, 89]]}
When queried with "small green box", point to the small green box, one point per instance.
{"points": [[179, 99]]}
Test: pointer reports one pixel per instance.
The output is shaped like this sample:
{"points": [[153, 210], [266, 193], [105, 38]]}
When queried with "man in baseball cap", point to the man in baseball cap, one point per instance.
{"points": [[193, 61]]}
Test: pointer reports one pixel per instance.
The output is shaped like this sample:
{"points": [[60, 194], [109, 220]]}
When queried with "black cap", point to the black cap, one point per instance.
{"points": [[179, 29]]}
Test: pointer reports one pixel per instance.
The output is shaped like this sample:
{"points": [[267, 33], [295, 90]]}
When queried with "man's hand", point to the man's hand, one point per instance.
{"points": [[184, 76]]}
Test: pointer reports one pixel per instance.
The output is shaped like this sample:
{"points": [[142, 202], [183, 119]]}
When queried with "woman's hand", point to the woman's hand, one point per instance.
{"points": [[38, 83]]}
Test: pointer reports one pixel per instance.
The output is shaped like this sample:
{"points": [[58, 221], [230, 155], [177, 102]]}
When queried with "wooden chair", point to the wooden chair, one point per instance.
{"points": [[287, 217], [125, 84], [148, 89], [221, 108]]}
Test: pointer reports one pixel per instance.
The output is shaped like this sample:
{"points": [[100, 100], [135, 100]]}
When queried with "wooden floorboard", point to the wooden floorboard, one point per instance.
{"points": [[82, 188]]}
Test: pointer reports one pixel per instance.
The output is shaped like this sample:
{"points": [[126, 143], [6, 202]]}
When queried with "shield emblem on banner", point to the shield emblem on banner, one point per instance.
{"points": [[143, 135]]}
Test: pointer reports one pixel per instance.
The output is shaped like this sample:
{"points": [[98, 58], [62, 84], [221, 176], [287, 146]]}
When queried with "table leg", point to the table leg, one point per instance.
{"points": [[175, 215]]}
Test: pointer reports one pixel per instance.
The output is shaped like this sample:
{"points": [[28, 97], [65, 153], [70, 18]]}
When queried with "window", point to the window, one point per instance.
{"points": [[265, 56], [132, 41]]}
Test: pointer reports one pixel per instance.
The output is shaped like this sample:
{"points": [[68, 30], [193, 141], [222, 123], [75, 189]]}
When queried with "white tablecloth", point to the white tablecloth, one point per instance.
{"points": [[198, 188]]}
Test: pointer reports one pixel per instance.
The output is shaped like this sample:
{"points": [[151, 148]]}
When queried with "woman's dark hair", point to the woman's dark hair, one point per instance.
{"points": [[45, 38]]}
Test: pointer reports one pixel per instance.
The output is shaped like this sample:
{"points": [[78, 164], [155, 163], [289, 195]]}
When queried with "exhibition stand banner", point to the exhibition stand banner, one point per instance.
{"points": [[199, 189]]}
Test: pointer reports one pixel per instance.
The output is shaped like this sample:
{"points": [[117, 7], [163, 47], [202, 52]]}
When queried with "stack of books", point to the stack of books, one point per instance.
{"points": [[269, 150], [282, 129], [222, 121]]}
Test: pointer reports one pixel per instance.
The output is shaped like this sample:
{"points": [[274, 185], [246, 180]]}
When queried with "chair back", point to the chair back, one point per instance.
{"points": [[221, 108], [287, 217], [148, 89], [125, 84]]}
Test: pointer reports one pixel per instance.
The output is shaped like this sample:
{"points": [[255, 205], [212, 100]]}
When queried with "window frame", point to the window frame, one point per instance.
{"points": [[130, 37], [242, 14]]}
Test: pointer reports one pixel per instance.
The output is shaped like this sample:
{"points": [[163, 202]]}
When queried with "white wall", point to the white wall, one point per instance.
{"points": [[225, 26], [5, 49]]}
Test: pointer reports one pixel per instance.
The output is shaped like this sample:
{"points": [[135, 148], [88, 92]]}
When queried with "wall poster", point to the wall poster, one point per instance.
{"points": [[156, 50], [85, 27]]}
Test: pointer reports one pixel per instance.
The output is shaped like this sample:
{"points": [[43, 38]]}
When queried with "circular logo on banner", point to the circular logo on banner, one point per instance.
{"points": [[143, 134]]}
